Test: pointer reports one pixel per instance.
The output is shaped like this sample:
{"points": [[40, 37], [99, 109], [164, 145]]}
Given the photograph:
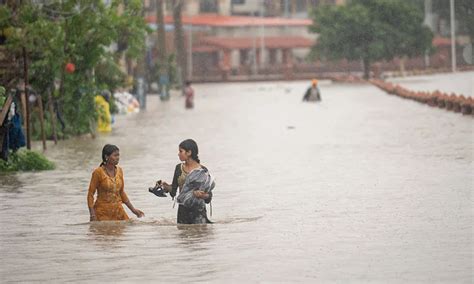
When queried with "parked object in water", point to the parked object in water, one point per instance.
{"points": [[126, 103]]}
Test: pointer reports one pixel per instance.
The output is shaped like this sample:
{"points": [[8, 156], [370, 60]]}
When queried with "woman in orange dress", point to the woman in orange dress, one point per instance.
{"points": [[107, 180]]}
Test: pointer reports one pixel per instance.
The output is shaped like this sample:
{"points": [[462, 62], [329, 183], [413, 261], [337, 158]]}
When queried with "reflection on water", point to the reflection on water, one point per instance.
{"points": [[10, 183], [192, 234], [108, 228], [364, 187]]}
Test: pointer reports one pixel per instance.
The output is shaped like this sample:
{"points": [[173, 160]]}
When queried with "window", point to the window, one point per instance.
{"points": [[208, 6]]}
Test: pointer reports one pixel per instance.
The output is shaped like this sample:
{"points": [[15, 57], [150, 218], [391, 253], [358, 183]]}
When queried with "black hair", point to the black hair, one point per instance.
{"points": [[188, 83], [191, 145], [107, 151]]}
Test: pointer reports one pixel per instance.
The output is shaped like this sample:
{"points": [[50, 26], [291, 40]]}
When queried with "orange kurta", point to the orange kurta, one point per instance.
{"points": [[110, 195]]}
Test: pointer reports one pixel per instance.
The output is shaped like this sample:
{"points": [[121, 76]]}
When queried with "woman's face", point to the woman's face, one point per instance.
{"points": [[183, 154], [114, 158]]}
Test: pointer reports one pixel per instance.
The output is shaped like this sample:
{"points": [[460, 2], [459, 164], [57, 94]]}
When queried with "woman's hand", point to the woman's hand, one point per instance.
{"points": [[200, 194], [166, 186], [93, 217], [138, 212]]}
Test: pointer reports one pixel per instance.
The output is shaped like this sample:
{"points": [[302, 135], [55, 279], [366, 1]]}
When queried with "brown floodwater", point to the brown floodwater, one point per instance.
{"points": [[363, 187]]}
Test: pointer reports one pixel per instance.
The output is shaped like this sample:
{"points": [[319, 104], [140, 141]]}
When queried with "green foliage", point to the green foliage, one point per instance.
{"points": [[2, 95], [108, 74], [370, 30], [81, 32], [25, 160], [464, 14], [131, 28]]}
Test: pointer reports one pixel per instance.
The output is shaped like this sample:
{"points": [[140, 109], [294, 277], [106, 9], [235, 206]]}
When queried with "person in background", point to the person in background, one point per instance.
{"points": [[195, 185], [189, 95], [104, 120], [312, 93], [108, 181]]}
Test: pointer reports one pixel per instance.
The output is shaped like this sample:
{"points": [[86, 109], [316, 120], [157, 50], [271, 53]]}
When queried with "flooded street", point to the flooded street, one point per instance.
{"points": [[362, 187], [462, 83]]}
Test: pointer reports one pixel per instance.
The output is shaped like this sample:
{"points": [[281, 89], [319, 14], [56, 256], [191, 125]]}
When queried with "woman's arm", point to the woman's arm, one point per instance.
{"points": [[90, 195], [127, 202], [135, 211], [174, 186], [203, 195]]}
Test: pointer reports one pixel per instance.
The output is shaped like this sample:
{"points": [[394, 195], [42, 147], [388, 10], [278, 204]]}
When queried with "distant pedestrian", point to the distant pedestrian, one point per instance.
{"points": [[313, 94], [189, 94], [108, 181]]}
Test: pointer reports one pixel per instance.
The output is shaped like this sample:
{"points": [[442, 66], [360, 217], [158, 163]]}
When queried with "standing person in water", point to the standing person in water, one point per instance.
{"points": [[189, 94], [107, 180], [313, 94], [195, 185]]}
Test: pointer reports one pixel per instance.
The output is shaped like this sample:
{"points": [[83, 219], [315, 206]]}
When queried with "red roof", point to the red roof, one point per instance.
{"points": [[440, 41], [250, 42], [204, 48], [232, 21]]}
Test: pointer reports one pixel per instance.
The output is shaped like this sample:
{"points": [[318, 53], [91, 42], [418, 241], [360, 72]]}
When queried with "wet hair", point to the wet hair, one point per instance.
{"points": [[107, 151], [191, 145]]}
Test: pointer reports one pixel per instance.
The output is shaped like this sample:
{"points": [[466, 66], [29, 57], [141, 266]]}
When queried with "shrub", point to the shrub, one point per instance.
{"points": [[26, 160]]}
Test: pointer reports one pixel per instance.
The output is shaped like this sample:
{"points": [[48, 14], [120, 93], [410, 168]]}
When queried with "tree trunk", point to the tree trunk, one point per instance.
{"points": [[179, 40], [402, 66], [161, 37], [27, 114], [53, 117], [366, 63]]}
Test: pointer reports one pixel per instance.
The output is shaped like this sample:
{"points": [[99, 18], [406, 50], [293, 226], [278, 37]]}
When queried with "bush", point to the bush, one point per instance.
{"points": [[26, 160]]}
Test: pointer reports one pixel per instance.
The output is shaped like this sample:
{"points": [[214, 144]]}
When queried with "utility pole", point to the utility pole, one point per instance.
{"points": [[428, 21], [254, 51], [453, 37], [262, 35]]}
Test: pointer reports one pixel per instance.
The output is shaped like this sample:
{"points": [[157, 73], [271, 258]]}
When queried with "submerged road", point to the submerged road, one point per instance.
{"points": [[362, 187]]}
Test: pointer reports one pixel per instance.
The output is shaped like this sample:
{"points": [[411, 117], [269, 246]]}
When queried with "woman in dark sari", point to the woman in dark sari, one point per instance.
{"points": [[195, 185]]}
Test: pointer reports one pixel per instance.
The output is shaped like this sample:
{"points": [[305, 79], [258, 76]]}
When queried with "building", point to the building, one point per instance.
{"points": [[241, 38]]}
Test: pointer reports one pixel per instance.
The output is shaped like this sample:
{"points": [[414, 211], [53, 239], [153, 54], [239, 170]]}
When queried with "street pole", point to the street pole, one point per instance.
{"points": [[453, 37], [262, 36]]}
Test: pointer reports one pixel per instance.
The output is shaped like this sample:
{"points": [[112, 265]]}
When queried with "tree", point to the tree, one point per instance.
{"points": [[79, 32], [160, 22], [179, 39], [464, 10], [370, 30]]}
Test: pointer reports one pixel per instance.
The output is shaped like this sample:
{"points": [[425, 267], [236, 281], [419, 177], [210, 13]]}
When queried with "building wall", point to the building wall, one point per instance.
{"points": [[268, 31]]}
